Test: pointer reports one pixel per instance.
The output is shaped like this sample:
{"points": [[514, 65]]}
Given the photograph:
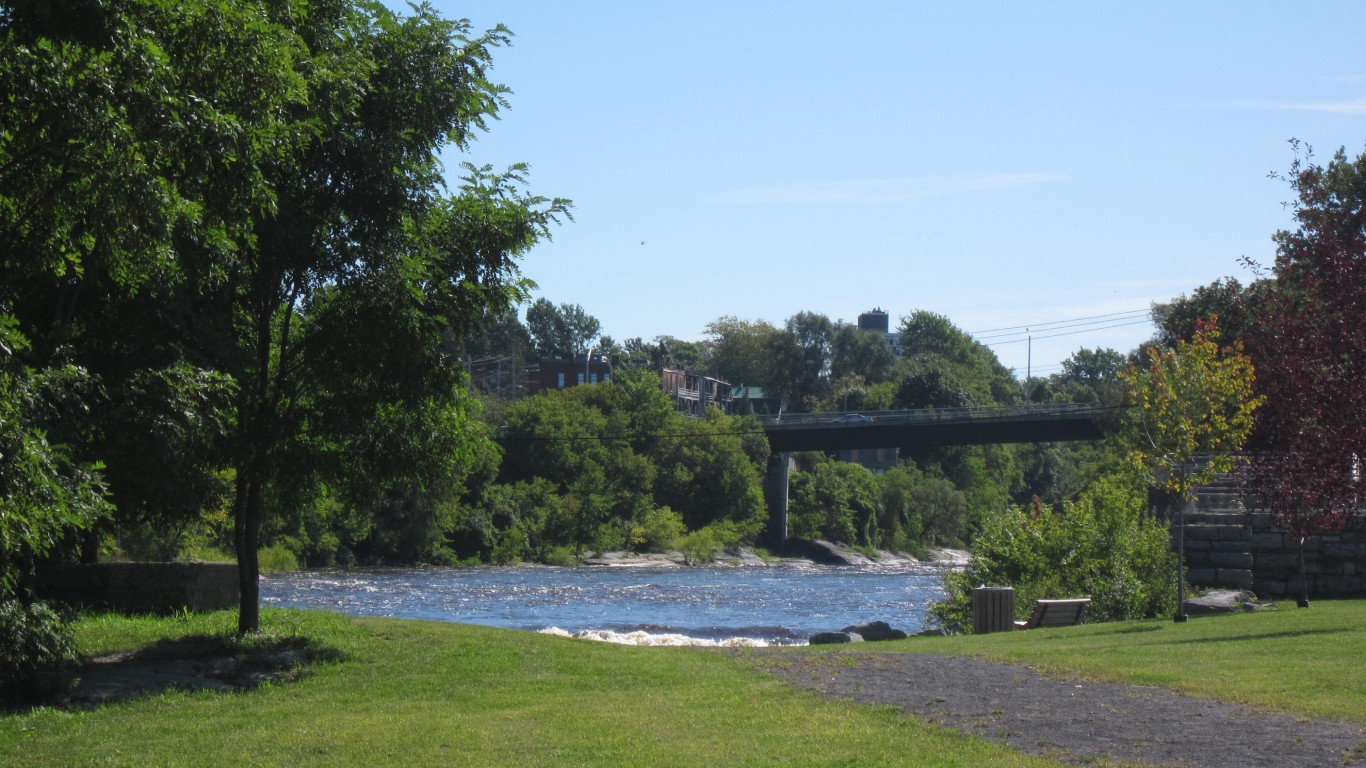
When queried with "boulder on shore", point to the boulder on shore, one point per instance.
{"points": [[833, 638], [825, 552], [948, 630], [875, 630]]}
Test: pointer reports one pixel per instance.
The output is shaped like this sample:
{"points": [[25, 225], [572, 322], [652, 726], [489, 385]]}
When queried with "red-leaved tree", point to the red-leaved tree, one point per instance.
{"points": [[1311, 357]]}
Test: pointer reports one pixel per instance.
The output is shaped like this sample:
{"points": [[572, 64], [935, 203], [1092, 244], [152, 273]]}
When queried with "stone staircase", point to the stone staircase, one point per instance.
{"points": [[1218, 538]]}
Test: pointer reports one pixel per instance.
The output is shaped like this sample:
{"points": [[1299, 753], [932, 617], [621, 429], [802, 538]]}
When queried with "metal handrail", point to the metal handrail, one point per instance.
{"points": [[926, 415]]}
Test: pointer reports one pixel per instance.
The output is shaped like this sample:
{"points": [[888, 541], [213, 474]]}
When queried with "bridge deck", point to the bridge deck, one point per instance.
{"points": [[933, 427]]}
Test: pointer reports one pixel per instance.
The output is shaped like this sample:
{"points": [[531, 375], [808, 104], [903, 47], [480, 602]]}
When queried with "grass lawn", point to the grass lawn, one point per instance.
{"points": [[410, 693], [423, 693], [1306, 662]]}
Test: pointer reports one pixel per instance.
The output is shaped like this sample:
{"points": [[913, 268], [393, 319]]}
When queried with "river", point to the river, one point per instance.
{"points": [[781, 604]]}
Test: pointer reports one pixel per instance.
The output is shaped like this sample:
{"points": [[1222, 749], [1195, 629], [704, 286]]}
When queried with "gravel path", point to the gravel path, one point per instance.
{"points": [[1072, 720]]}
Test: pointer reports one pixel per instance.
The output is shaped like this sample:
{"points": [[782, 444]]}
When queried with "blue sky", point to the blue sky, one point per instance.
{"points": [[1007, 165]]}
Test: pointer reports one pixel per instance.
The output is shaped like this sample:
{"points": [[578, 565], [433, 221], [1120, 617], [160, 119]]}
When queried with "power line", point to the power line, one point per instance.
{"points": [[1066, 333], [1044, 326], [1040, 333]]}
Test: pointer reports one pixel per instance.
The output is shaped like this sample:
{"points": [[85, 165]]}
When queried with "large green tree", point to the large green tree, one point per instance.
{"points": [[261, 184], [560, 331], [341, 305]]}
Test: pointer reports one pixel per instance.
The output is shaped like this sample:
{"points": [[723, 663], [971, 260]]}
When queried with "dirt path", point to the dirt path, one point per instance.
{"points": [[1072, 720]]}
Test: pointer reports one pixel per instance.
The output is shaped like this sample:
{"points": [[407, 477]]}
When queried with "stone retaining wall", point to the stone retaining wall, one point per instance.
{"points": [[136, 588], [1227, 547], [1334, 564]]}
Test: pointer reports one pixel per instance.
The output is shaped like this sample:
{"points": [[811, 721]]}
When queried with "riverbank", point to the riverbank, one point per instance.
{"points": [[813, 551], [381, 692], [406, 693]]}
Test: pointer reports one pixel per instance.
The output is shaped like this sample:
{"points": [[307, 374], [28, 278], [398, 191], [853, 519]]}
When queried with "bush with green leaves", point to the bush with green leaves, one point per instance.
{"points": [[32, 638], [1102, 545], [658, 531], [704, 544]]}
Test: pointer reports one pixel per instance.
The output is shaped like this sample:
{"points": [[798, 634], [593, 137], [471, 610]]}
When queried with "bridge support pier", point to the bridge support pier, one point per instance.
{"points": [[775, 494]]}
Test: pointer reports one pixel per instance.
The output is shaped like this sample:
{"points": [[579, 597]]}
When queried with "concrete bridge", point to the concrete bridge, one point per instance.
{"points": [[925, 428]]}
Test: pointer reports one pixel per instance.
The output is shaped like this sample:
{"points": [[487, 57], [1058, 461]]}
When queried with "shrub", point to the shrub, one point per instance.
{"points": [[1102, 545], [510, 547], [277, 558], [32, 639], [659, 531], [704, 544], [562, 556]]}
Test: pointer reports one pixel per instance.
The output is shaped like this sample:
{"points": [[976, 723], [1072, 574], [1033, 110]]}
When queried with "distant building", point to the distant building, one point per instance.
{"points": [[694, 392], [874, 320], [562, 373], [754, 400], [878, 321]]}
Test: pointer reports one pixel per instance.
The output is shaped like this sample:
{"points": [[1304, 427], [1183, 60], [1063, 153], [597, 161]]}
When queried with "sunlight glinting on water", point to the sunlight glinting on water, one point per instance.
{"points": [[653, 605]]}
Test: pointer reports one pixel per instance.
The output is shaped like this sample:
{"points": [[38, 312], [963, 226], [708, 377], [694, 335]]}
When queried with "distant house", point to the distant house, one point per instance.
{"points": [[694, 392], [562, 373]]}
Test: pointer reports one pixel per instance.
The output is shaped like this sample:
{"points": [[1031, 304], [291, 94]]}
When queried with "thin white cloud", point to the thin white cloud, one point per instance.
{"points": [[866, 191], [1348, 107]]}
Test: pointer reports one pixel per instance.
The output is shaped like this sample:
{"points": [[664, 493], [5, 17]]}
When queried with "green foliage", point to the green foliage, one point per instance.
{"points": [[742, 352], [511, 547], [899, 522], [942, 511], [705, 474], [659, 531], [1240, 309], [1195, 400], [704, 544], [1103, 545], [277, 559], [33, 637], [614, 466], [164, 222], [563, 331], [820, 505], [46, 496], [564, 557], [948, 368]]}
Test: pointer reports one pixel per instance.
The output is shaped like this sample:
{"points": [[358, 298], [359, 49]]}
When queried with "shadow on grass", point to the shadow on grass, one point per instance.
{"points": [[195, 663], [1262, 636]]}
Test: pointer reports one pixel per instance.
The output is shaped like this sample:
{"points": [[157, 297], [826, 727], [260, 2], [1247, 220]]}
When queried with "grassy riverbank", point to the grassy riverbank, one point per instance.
{"points": [[1303, 662], [410, 693], [422, 693]]}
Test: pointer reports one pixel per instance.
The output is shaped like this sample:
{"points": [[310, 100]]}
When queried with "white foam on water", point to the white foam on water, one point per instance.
{"points": [[646, 638]]}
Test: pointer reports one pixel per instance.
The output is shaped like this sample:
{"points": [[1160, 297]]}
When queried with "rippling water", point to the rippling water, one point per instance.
{"points": [[777, 604]]}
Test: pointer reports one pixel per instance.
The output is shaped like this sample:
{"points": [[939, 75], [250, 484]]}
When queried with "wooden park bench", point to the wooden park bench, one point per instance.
{"points": [[1056, 613]]}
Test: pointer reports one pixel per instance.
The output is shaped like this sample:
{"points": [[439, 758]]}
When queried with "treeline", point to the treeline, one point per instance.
{"points": [[588, 469], [569, 473]]}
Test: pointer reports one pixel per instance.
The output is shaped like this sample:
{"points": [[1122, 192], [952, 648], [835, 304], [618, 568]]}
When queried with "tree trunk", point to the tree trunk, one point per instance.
{"points": [[1304, 579], [246, 534]]}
